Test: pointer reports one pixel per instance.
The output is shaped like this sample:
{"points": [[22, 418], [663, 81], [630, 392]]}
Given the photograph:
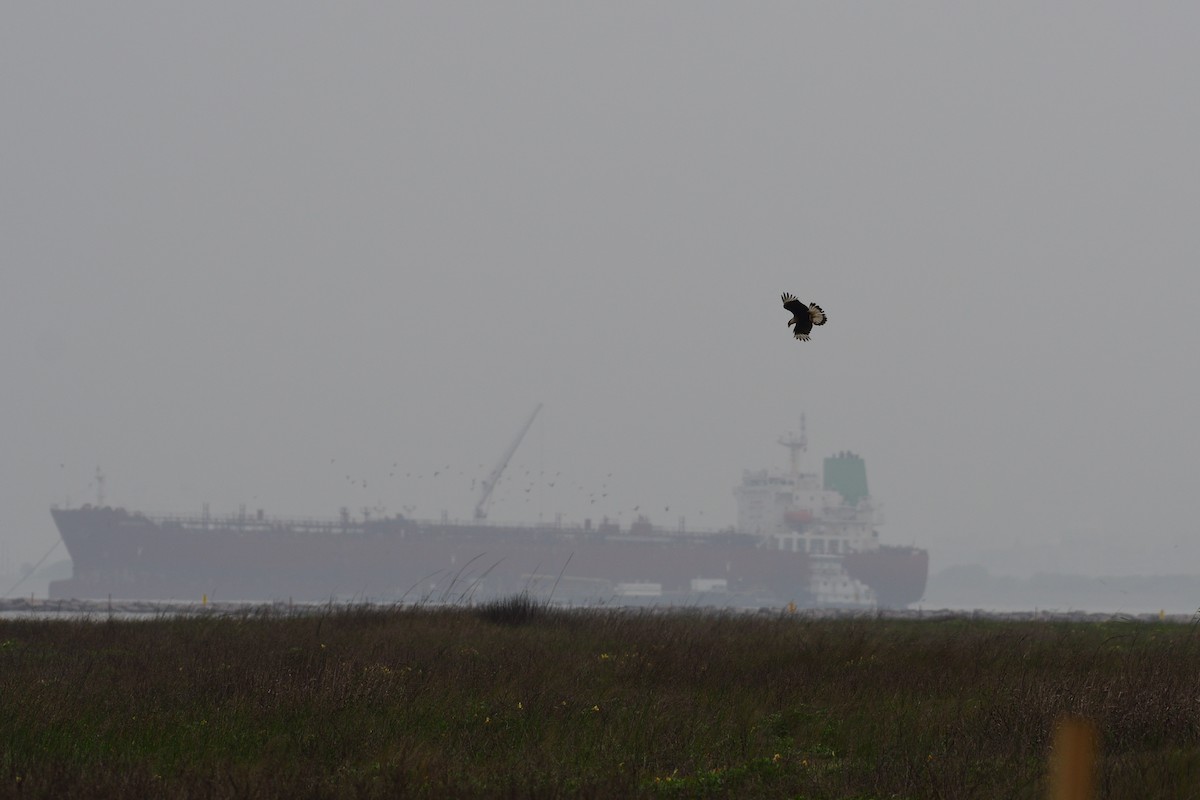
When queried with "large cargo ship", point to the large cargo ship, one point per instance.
{"points": [[800, 538]]}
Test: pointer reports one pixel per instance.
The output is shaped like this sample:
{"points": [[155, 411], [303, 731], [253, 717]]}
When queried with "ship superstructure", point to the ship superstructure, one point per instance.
{"points": [[826, 517]]}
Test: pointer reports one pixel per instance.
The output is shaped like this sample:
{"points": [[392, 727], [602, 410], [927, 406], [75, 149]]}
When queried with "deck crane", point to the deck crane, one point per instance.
{"points": [[489, 483]]}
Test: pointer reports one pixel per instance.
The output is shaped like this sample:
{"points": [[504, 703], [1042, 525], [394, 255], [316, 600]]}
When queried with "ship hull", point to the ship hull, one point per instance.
{"points": [[131, 556], [896, 574]]}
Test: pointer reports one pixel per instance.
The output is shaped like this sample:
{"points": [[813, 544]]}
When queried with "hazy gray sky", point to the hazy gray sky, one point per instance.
{"points": [[240, 240]]}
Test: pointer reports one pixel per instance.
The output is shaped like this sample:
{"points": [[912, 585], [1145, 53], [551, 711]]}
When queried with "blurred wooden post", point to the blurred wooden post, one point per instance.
{"points": [[1073, 760]]}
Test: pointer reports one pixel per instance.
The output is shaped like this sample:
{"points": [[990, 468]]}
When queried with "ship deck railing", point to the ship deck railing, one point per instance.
{"points": [[255, 523]]}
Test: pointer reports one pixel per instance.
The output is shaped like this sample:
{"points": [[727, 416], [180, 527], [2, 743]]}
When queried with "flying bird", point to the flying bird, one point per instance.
{"points": [[803, 316]]}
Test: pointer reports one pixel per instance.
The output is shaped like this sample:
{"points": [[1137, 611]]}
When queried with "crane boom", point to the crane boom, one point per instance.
{"points": [[489, 483]]}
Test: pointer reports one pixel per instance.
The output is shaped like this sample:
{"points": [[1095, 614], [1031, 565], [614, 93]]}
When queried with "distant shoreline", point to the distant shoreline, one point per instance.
{"points": [[24, 607]]}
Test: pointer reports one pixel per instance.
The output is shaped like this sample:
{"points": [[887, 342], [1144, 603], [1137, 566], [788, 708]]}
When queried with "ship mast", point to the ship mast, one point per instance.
{"points": [[99, 486], [796, 445]]}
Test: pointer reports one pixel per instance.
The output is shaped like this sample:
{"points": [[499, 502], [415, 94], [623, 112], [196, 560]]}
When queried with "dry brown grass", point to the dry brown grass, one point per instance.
{"points": [[527, 701]]}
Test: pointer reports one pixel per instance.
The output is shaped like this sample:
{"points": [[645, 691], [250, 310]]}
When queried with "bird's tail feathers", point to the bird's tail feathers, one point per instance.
{"points": [[802, 336], [818, 316]]}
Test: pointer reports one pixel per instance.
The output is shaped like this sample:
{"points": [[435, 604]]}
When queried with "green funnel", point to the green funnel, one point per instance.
{"points": [[846, 474]]}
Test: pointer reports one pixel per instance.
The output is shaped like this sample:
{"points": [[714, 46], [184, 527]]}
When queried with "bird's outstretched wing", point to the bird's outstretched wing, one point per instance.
{"points": [[793, 305], [816, 314]]}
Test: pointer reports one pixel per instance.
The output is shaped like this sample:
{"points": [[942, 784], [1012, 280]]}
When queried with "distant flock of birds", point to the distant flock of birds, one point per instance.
{"points": [[804, 318], [522, 478]]}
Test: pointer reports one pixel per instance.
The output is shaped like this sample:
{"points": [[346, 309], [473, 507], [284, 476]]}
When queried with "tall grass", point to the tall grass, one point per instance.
{"points": [[518, 699]]}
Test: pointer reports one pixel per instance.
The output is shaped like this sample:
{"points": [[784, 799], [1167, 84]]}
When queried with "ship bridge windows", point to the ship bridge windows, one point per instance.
{"points": [[789, 542]]}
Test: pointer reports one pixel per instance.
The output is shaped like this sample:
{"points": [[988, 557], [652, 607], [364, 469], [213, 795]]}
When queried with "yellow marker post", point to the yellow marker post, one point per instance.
{"points": [[1073, 760], [204, 599]]}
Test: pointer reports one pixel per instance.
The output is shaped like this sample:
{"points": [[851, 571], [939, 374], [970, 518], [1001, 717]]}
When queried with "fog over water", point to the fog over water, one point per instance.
{"points": [[300, 256]]}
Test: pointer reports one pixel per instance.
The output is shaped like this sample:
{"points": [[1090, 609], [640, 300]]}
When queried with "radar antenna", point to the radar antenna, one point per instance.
{"points": [[489, 483]]}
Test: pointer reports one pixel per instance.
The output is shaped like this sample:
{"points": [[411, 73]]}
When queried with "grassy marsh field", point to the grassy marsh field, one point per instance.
{"points": [[516, 700]]}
